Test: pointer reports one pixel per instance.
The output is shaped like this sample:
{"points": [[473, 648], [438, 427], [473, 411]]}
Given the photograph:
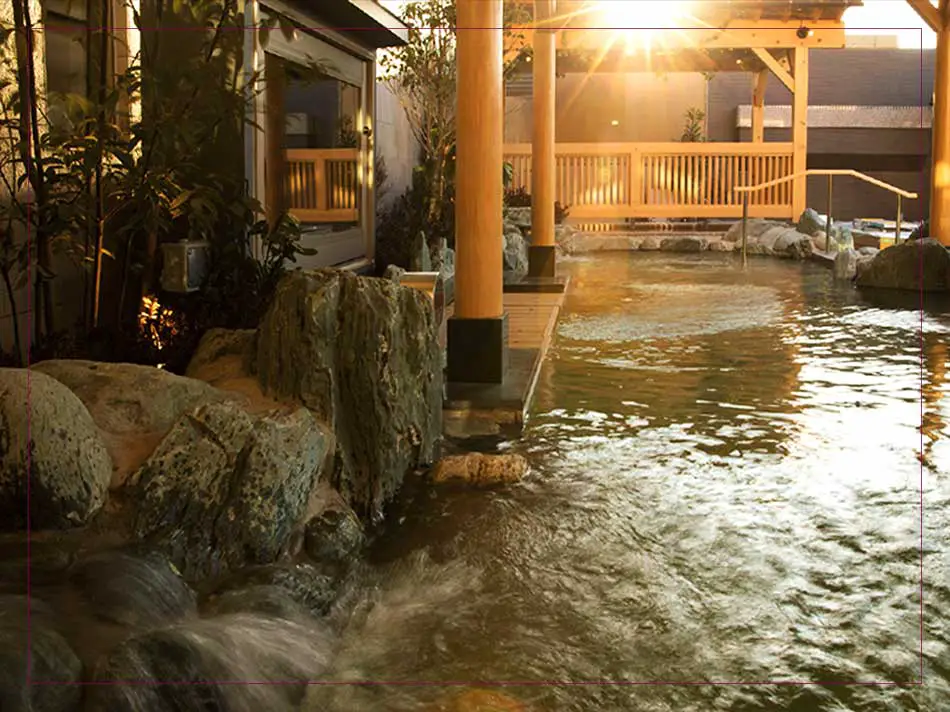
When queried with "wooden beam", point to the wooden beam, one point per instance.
{"points": [[940, 177], [777, 69], [800, 133], [758, 106], [928, 13], [736, 34]]}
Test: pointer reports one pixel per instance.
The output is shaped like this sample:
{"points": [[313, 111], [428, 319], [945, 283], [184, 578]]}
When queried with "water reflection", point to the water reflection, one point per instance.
{"points": [[726, 488]]}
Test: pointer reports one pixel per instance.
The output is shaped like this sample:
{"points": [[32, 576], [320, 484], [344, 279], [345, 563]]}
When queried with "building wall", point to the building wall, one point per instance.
{"points": [[395, 145], [849, 77], [646, 107]]}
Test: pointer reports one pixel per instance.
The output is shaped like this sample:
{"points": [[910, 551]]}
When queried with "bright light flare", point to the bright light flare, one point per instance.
{"points": [[638, 22]]}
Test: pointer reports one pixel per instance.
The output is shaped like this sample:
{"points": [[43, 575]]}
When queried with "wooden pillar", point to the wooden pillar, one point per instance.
{"points": [[940, 172], [758, 105], [478, 330], [542, 258], [275, 79], [800, 132]]}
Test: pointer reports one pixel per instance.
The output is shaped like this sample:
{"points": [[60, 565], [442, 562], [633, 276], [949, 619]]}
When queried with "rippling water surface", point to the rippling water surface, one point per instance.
{"points": [[725, 488]]}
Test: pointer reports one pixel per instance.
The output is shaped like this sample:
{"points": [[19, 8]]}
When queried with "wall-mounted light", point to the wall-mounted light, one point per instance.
{"points": [[615, 123], [804, 33]]}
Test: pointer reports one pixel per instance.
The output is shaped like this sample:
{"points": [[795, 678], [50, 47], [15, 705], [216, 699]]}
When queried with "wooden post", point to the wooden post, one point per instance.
{"points": [[940, 178], [758, 106], [745, 225], [541, 257], [478, 330], [828, 217], [800, 133]]}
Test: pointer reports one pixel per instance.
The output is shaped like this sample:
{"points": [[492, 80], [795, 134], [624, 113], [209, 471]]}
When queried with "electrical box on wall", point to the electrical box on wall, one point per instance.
{"points": [[184, 265]]}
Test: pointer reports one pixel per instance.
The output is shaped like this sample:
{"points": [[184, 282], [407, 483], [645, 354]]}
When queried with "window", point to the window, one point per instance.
{"points": [[67, 57]]}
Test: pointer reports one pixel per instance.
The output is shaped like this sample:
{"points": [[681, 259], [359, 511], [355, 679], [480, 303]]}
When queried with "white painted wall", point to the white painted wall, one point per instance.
{"points": [[394, 143]]}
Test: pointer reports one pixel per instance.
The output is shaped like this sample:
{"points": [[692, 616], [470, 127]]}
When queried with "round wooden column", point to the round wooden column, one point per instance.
{"points": [[479, 190], [940, 179], [542, 138]]}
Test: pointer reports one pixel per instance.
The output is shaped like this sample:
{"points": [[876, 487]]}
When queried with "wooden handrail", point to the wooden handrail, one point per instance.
{"points": [[828, 172]]}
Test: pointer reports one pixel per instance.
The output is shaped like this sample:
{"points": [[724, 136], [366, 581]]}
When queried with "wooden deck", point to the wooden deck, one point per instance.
{"points": [[475, 409]]}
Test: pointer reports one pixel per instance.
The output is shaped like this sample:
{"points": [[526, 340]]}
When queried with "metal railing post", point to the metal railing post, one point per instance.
{"points": [[745, 224], [897, 229], [828, 220]]}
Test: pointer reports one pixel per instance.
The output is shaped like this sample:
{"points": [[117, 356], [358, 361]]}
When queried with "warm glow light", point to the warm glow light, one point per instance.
{"points": [[642, 14]]}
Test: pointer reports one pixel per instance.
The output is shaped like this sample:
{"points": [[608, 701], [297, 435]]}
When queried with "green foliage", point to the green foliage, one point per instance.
{"points": [[694, 131], [118, 185]]}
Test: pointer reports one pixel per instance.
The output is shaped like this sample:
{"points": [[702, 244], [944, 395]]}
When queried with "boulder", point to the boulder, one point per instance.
{"points": [[480, 469], [684, 243], [520, 217], [69, 466], [215, 346], [394, 273], [918, 265], [308, 586], [650, 243], [265, 600], [868, 251], [563, 232], [921, 231], [135, 590], [49, 657], [334, 538], [135, 406], [820, 240], [861, 265], [363, 356], [722, 246], [202, 660], [846, 265], [811, 222], [225, 489], [755, 228], [515, 256], [794, 244]]}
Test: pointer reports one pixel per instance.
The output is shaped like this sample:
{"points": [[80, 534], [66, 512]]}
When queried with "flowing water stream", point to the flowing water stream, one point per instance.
{"points": [[726, 488]]}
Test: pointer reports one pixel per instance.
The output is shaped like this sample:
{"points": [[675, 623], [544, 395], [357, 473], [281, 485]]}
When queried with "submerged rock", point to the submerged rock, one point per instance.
{"points": [[266, 600], [363, 355], [722, 246], [650, 243], [480, 469], [203, 657], [49, 442], [49, 656], [310, 587], [226, 489], [918, 265], [133, 590]]}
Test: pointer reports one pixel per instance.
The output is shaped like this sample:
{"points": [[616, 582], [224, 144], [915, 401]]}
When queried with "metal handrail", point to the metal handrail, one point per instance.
{"points": [[745, 190]]}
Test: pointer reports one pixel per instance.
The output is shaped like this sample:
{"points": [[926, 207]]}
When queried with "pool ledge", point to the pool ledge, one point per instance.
{"points": [[480, 409]]}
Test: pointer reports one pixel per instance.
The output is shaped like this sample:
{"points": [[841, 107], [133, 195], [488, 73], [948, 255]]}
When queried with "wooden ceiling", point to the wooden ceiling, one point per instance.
{"points": [[717, 11]]}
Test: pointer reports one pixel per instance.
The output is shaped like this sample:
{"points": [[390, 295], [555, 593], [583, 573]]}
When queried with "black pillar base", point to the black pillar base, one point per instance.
{"points": [[478, 349], [542, 260]]}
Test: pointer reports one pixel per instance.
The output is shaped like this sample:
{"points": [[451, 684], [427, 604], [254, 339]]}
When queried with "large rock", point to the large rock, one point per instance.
{"points": [[917, 265], [226, 489], [794, 244], [69, 467], [311, 587], [846, 265], [515, 256], [215, 346], [134, 406], [201, 662], [811, 222], [684, 243], [521, 217], [755, 228], [32, 649], [131, 589], [363, 355], [649, 243]]}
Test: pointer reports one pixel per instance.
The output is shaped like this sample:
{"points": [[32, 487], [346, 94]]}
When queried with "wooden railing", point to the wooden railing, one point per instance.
{"points": [[749, 192], [323, 184], [673, 180]]}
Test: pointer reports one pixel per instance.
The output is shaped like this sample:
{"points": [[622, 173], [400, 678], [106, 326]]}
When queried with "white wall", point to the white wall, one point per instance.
{"points": [[394, 143]]}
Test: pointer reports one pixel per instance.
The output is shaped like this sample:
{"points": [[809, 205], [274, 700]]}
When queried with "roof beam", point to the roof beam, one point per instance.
{"points": [[928, 13], [735, 34], [777, 69]]}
